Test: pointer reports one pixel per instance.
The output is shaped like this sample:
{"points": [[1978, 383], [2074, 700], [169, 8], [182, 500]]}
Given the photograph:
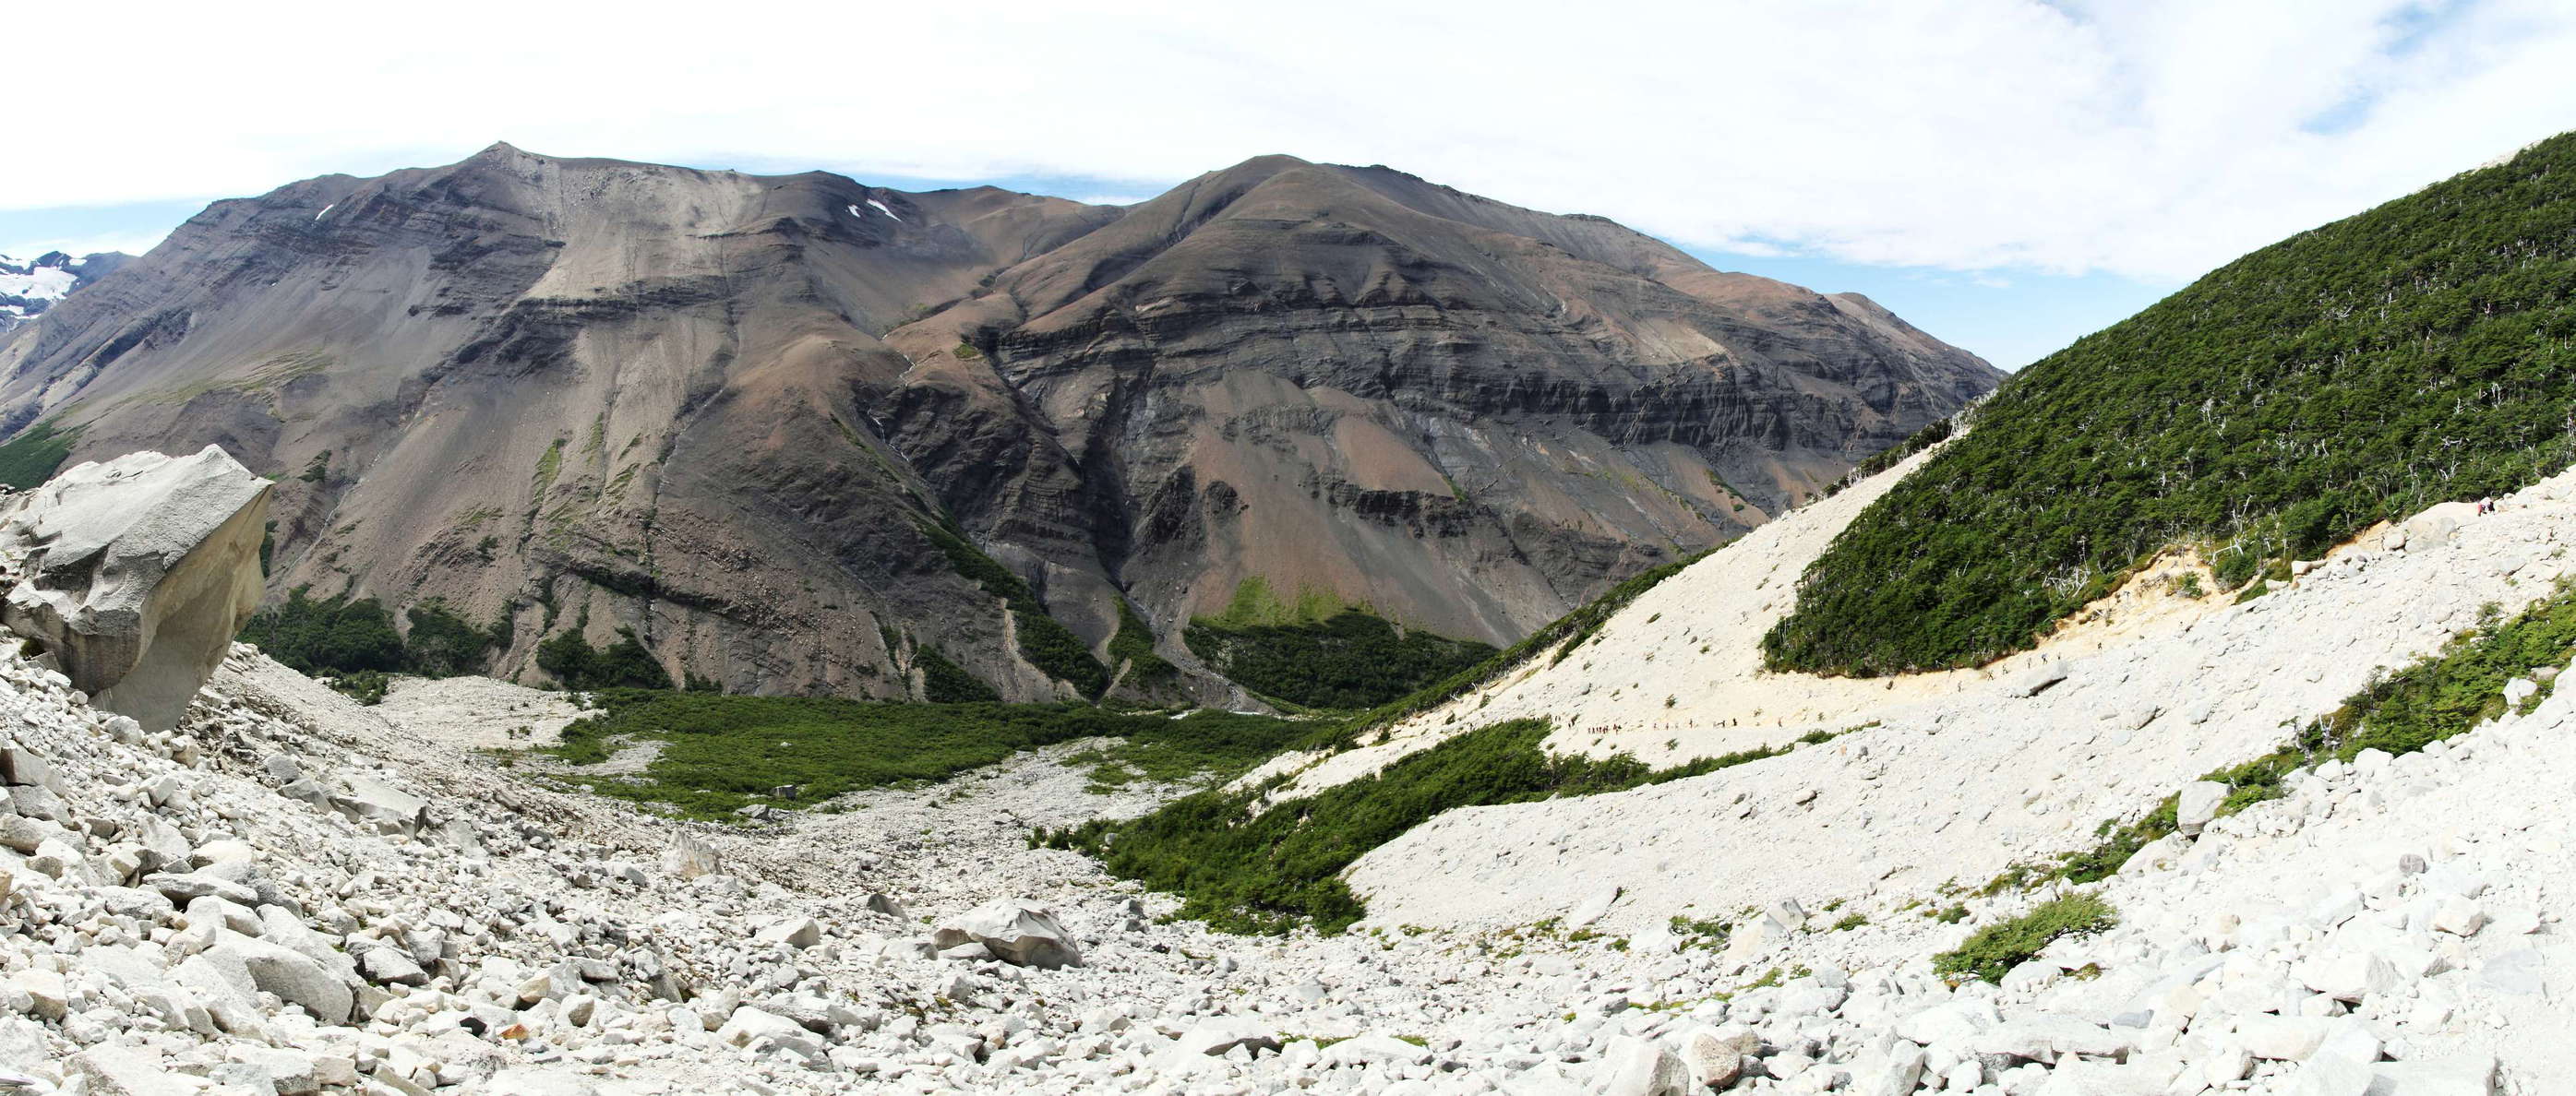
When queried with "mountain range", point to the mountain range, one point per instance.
{"points": [[799, 433], [29, 286]]}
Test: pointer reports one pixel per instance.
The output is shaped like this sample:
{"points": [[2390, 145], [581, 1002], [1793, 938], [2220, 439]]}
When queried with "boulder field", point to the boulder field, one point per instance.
{"points": [[284, 892]]}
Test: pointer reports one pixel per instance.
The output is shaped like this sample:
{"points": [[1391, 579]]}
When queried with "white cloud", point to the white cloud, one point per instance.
{"points": [[2148, 140]]}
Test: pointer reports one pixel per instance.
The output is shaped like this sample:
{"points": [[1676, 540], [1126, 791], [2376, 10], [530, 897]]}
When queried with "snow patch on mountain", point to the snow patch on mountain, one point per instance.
{"points": [[30, 286]]}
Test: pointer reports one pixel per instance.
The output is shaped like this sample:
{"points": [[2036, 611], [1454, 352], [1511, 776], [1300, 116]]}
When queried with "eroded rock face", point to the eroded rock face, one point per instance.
{"points": [[726, 411], [136, 573]]}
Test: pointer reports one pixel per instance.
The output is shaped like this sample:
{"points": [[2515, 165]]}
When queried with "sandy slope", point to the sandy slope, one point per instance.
{"points": [[1948, 776]]}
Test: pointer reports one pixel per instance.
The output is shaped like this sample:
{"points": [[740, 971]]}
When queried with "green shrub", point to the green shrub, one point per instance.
{"points": [[1999, 947], [364, 686], [1134, 647], [2441, 695], [33, 457], [1043, 640], [945, 682], [1352, 659], [333, 635], [722, 752], [1572, 630], [2414, 353], [2453, 689], [1246, 866], [337, 636], [1204, 745], [442, 644], [625, 664]]}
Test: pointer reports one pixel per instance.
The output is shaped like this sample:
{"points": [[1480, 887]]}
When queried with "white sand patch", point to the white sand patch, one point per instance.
{"points": [[477, 712]]}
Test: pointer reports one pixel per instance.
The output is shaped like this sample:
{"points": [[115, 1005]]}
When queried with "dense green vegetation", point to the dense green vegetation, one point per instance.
{"points": [[1999, 947], [1208, 745], [1043, 640], [2414, 353], [363, 686], [1134, 647], [355, 644], [1246, 867], [2441, 695], [1352, 659], [624, 664], [443, 644], [327, 635], [943, 681], [1254, 602], [721, 753], [1938, 431], [32, 457]]}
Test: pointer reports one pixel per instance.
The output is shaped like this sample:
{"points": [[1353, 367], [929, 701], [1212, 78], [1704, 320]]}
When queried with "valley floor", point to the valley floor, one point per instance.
{"points": [[295, 893]]}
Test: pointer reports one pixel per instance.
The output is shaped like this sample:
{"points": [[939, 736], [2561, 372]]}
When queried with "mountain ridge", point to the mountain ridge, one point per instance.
{"points": [[727, 411], [29, 287]]}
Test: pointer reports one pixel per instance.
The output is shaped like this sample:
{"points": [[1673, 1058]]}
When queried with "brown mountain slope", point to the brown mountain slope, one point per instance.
{"points": [[732, 412], [1467, 415]]}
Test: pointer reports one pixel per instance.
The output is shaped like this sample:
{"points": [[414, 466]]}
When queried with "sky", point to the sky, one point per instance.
{"points": [[2007, 174]]}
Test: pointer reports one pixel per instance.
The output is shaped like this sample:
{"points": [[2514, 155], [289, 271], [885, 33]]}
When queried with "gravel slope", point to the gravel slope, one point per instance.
{"points": [[1935, 778], [295, 893]]}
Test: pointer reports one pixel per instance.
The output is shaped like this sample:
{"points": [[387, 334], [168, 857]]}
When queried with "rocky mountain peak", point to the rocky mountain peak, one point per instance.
{"points": [[285, 891], [722, 411], [30, 286]]}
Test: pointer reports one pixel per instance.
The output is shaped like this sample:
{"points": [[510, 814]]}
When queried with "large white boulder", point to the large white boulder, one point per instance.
{"points": [[690, 856], [2047, 1037], [748, 1025], [1015, 929], [2348, 976], [1642, 1067], [1715, 1055], [2433, 528], [117, 1070], [1375, 1048], [367, 799], [1200, 1046], [2198, 805], [246, 964], [137, 573], [2471, 1073]]}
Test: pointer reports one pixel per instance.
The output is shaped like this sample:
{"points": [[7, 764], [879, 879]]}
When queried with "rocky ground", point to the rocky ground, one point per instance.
{"points": [[293, 893], [1932, 781], [290, 893]]}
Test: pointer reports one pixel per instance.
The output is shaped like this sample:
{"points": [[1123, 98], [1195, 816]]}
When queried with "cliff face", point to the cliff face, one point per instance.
{"points": [[1467, 415], [735, 413]]}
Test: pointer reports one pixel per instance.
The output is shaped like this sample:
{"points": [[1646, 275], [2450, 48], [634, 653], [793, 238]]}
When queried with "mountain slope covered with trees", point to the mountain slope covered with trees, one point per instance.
{"points": [[2415, 353]]}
